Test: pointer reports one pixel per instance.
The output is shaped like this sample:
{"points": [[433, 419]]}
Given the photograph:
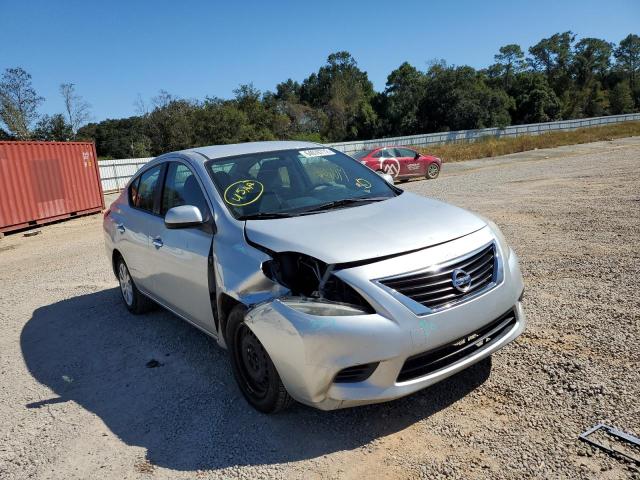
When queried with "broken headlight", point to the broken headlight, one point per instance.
{"points": [[314, 286]]}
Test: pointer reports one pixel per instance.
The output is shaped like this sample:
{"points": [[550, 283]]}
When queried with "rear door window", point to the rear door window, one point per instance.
{"points": [[405, 152], [389, 153]]}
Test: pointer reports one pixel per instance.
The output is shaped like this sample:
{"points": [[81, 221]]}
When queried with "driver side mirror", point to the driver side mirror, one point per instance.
{"points": [[417, 156], [183, 216], [387, 178]]}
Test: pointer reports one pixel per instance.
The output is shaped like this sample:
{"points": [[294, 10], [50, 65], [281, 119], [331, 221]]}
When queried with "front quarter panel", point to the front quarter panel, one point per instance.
{"points": [[309, 350]]}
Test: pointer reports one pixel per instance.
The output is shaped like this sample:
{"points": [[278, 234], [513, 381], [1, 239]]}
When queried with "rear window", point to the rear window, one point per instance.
{"points": [[361, 154]]}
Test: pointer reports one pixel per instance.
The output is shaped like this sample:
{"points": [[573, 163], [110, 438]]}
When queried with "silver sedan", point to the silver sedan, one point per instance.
{"points": [[326, 283]]}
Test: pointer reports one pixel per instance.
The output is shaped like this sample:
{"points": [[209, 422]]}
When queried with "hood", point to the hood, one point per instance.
{"points": [[401, 224]]}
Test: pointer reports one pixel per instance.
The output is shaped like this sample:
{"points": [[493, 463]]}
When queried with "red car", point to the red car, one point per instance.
{"points": [[401, 163]]}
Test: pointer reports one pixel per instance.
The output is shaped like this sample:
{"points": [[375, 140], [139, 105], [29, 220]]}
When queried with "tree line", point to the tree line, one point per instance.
{"points": [[560, 78]]}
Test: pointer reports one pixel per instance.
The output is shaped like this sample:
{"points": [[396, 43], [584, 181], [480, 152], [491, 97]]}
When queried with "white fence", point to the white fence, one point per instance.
{"points": [[469, 135], [116, 173]]}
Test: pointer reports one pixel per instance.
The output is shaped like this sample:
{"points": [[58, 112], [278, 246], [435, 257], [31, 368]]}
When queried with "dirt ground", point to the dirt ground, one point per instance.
{"points": [[79, 401]]}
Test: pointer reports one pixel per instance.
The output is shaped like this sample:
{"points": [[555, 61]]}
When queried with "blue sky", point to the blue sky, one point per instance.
{"points": [[114, 50]]}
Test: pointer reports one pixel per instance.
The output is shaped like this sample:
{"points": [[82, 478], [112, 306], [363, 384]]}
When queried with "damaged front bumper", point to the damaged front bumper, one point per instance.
{"points": [[312, 347], [310, 350]]}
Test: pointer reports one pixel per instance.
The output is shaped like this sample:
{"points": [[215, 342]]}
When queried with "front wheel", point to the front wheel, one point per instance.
{"points": [[252, 367], [433, 170]]}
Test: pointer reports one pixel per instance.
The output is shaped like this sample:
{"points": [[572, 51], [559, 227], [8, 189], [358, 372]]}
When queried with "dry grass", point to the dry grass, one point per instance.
{"points": [[492, 146]]}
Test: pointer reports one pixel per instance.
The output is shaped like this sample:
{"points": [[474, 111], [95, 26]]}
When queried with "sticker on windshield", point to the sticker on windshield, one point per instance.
{"points": [[317, 152], [362, 183], [243, 192]]}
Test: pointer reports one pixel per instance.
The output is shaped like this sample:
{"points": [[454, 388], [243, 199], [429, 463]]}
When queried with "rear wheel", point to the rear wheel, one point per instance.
{"points": [[253, 369], [135, 301], [433, 170]]}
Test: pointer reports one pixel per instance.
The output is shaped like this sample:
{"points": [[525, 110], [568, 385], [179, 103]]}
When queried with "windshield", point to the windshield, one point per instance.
{"points": [[295, 182]]}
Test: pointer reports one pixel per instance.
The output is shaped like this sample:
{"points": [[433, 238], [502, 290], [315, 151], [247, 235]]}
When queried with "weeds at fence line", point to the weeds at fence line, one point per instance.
{"points": [[492, 146]]}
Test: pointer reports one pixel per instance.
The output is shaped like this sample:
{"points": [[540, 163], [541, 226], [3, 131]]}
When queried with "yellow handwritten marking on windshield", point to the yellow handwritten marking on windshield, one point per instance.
{"points": [[362, 183], [243, 192]]}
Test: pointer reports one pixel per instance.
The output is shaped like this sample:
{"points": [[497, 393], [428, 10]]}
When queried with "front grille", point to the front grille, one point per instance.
{"points": [[357, 373], [428, 362], [434, 287]]}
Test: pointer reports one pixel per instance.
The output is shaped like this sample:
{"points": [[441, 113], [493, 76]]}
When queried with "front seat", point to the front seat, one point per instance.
{"points": [[269, 176], [192, 195]]}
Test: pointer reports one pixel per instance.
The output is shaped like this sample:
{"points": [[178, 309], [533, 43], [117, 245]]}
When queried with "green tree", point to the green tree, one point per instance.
{"points": [[535, 100], [121, 138], [169, 124], [259, 119], [628, 60], [591, 60], [19, 102], [621, 99], [219, 122], [53, 129], [596, 102], [288, 91], [403, 93], [509, 62], [554, 57], [458, 98], [344, 93]]}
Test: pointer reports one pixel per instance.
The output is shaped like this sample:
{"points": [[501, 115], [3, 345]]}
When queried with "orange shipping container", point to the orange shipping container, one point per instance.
{"points": [[42, 182]]}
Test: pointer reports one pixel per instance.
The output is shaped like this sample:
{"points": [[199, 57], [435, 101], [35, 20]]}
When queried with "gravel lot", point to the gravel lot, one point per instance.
{"points": [[78, 401]]}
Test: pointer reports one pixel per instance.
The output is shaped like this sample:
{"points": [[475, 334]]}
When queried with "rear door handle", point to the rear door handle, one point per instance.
{"points": [[120, 227], [157, 242]]}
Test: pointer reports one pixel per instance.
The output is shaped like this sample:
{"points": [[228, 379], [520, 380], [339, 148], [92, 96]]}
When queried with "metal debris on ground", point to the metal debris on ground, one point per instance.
{"points": [[32, 233], [153, 363], [629, 441]]}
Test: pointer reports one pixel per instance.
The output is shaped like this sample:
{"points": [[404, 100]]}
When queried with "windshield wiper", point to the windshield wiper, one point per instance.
{"points": [[266, 216], [344, 202]]}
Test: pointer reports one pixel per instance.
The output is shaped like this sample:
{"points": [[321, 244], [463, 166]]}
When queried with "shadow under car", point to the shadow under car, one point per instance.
{"points": [[161, 384]]}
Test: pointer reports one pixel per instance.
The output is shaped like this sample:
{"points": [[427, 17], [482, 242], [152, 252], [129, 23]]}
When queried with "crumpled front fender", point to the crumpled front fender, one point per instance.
{"points": [[308, 350]]}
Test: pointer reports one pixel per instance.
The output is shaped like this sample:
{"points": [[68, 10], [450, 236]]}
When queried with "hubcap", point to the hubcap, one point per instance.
{"points": [[252, 362], [126, 285], [433, 170]]}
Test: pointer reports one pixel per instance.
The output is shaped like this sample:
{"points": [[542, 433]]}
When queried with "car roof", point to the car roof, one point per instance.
{"points": [[220, 151]]}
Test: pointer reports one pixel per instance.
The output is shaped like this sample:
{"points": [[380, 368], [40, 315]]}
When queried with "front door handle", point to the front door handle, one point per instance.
{"points": [[120, 227], [157, 242]]}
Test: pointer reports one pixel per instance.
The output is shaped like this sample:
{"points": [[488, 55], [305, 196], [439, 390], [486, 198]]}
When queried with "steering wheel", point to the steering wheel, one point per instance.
{"points": [[323, 185]]}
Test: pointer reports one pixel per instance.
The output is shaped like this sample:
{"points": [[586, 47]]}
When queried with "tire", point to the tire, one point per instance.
{"points": [[252, 367], [433, 170], [135, 301]]}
